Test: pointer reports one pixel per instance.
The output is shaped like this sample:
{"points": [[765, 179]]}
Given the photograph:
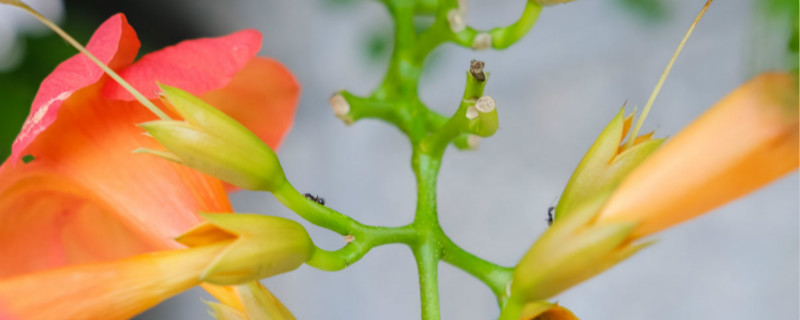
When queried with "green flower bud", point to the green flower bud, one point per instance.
{"points": [[263, 247], [214, 143]]}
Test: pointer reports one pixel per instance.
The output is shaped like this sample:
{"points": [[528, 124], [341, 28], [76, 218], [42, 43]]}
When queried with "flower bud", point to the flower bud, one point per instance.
{"points": [[214, 143], [263, 247], [746, 140]]}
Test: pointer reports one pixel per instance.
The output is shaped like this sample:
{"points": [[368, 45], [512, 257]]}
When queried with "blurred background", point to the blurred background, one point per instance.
{"points": [[555, 90]]}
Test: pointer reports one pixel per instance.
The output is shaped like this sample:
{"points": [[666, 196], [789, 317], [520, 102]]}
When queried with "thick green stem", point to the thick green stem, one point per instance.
{"points": [[427, 256], [506, 36], [362, 237], [512, 310], [360, 243], [316, 213], [494, 276]]}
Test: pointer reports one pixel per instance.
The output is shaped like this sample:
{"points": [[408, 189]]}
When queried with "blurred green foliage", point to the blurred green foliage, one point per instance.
{"points": [[787, 9], [651, 11]]}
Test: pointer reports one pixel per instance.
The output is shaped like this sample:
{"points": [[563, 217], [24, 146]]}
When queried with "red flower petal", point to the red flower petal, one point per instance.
{"points": [[114, 43], [196, 66]]}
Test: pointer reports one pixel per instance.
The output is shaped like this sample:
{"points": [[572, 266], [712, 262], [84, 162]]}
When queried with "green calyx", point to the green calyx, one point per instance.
{"points": [[605, 165], [214, 143], [261, 247], [572, 250]]}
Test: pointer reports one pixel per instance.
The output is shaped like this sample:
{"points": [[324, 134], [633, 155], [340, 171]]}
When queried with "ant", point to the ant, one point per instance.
{"points": [[551, 215], [316, 199]]}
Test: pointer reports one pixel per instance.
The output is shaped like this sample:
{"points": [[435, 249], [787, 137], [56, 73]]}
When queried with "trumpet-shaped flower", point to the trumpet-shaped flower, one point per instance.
{"points": [[73, 192], [746, 140], [229, 249]]}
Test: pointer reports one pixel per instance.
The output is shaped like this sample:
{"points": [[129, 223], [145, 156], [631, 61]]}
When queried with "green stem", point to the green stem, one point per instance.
{"points": [[316, 213], [458, 123], [427, 256], [494, 276], [506, 36], [511, 310], [362, 242]]}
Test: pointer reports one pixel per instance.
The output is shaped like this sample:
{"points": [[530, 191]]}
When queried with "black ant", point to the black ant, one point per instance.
{"points": [[316, 199], [551, 215]]}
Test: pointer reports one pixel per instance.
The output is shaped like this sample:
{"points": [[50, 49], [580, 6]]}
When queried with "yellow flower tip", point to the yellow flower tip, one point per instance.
{"points": [[204, 234], [225, 294], [259, 303], [701, 169], [247, 302], [221, 311], [264, 246]]}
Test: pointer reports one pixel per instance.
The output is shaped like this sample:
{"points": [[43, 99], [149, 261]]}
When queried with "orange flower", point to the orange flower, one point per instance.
{"points": [[745, 141], [105, 290], [85, 198], [748, 139]]}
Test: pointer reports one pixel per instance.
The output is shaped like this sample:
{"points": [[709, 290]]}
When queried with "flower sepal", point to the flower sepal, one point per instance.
{"points": [[263, 246], [607, 162], [572, 250], [214, 143], [256, 302]]}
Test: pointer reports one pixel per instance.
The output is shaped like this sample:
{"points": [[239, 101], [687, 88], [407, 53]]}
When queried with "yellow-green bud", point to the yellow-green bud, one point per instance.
{"points": [[214, 143], [264, 246]]}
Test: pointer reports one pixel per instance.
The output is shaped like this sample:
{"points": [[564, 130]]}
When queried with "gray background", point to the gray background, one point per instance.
{"points": [[555, 91]]}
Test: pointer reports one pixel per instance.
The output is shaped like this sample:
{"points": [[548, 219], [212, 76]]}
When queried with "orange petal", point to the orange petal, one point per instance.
{"points": [[116, 203], [746, 140], [109, 290], [263, 97]]}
